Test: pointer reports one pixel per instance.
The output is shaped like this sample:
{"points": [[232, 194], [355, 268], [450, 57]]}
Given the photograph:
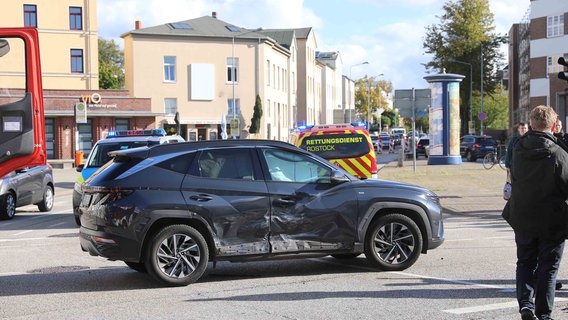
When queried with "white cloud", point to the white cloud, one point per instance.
{"points": [[393, 48]]}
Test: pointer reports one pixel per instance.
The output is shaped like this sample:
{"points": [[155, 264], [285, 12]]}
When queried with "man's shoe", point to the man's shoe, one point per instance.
{"points": [[527, 314]]}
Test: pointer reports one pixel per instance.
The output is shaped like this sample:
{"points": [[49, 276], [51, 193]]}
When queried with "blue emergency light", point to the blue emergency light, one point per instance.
{"points": [[136, 133]]}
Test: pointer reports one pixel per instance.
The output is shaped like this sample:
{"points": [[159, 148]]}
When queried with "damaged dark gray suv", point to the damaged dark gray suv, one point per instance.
{"points": [[170, 209]]}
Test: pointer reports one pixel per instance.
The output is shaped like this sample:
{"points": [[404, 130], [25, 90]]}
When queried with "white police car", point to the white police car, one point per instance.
{"points": [[116, 140]]}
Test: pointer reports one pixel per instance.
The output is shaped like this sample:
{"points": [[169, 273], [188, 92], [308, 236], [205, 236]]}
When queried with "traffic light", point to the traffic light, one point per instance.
{"points": [[563, 74]]}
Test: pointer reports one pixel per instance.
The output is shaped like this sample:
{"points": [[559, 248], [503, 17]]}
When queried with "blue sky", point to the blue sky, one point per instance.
{"points": [[386, 33]]}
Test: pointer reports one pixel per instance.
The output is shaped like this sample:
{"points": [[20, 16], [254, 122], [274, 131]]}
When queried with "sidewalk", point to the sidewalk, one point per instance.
{"points": [[467, 188]]}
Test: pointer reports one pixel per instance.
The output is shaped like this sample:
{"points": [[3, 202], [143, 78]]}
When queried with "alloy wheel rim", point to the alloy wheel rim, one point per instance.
{"points": [[394, 243], [49, 198], [178, 256], [10, 205]]}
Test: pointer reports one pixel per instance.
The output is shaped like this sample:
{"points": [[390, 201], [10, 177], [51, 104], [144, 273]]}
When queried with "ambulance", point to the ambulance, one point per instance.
{"points": [[348, 146]]}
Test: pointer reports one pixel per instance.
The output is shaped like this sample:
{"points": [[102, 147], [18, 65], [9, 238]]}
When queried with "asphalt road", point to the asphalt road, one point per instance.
{"points": [[45, 275]]}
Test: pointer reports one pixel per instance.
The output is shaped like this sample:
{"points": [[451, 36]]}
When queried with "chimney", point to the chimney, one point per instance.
{"points": [[214, 14], [137, 24]]}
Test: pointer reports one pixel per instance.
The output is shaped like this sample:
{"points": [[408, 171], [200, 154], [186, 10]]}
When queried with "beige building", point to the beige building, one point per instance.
{"points": [[68, 39], [205, 68], [68, 43]]}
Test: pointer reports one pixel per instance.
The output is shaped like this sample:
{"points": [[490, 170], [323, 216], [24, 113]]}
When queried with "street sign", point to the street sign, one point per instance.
{"points": [[403, 94], [422, 94], [482, 116]]}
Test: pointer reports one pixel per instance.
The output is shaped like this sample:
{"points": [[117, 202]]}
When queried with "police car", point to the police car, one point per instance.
{"points": [[115, 140]]}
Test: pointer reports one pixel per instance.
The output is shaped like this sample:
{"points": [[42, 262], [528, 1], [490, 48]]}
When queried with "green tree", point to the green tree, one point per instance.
{"points": [[371, 95], [111, 65], [495, 106], [466, 33], [256, 116]]}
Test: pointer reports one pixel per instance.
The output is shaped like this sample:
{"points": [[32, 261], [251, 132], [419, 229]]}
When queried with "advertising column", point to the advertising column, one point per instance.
{"points": [[445, 118]]}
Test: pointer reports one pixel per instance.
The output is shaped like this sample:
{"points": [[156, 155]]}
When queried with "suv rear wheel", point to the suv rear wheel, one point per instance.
{"points": [[177, 255], [393, 242]]}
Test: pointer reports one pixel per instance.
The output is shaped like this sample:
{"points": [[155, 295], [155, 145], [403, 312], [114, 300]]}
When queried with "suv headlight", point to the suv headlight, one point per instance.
{"points": [[77, 187]]}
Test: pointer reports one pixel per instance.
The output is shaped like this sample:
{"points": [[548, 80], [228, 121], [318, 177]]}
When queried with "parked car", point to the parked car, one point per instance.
{"points": [[398, 137], [115, 140], [33, 185], [386, 139], [473, 147], [169, 209], [421, 147], [375, 140]]}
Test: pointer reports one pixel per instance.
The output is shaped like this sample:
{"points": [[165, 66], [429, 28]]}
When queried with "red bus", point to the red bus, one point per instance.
{"points": [[22, 124]]}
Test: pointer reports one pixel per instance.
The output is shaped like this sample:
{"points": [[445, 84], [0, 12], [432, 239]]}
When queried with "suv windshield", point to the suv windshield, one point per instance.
{"points": [[337, 146]]}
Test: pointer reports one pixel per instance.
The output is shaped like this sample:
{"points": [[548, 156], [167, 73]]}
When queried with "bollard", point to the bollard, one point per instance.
{"points": [[401, 157]]}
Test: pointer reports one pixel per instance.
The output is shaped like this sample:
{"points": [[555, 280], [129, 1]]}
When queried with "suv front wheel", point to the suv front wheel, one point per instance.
{"points": [[393, 242], [177, 255]]}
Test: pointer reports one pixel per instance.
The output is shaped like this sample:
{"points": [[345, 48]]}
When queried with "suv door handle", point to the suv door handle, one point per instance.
{"points": [[201, 197], [284, 202]]}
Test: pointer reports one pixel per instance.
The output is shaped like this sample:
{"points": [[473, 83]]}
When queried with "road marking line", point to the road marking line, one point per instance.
{"points": [[23, 232], [57, 224], [489, 307]]}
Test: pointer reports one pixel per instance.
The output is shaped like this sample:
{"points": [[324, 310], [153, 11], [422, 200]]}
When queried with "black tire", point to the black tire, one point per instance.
{"points": [[488, 162], [470, 157], [177, 255], [77, 216], [502, 163], [393, 242], [46, 203], [7, 206], [345, 256], [137, 266]]}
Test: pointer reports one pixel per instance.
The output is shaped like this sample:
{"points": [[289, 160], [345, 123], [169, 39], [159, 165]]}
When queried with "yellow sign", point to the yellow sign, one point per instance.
{"points": [[234, 124], [80, 112]]}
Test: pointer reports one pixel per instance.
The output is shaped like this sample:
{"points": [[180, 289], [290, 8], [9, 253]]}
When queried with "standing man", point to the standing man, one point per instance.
{"points": [[522, 128], [538, 213]]}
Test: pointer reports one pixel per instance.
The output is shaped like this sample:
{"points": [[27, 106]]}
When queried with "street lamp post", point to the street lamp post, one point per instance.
{"points": [[233, 68], [352, 92], [470, 88], [481, 91]]}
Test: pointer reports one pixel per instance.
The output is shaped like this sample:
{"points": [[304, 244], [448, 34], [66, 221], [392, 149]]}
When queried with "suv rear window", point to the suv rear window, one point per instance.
{"points": [[337, 146]]}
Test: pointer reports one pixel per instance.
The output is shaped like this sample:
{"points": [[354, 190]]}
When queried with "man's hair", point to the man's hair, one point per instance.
{"points": [[521, 124], [543, 118]]}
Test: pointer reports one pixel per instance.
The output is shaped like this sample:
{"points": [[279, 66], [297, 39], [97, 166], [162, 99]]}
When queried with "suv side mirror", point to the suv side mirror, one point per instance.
{"points": [[338, 177]]}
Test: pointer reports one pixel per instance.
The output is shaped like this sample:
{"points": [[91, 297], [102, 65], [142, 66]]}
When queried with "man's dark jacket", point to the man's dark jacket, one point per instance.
{"points": [[539, 178]]}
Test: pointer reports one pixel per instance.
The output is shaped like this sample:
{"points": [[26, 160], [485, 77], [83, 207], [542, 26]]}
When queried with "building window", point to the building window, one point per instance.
{"points": [[77, 60], [233, 112], [122, 124], [169, 69], [268, 73], [30, 15], [552, 65], [170, 106], [75, 18], [50, 138], [555, 26], [232, 70]]}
